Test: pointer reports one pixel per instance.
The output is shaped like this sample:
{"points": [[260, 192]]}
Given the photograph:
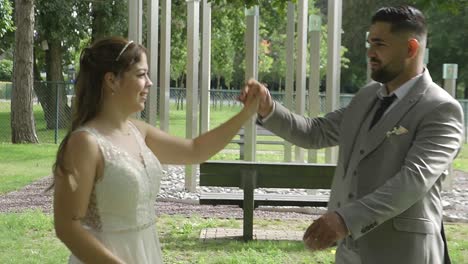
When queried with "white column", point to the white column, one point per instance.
{"points": [[135, 18], [152, 46], [450, 75], [205, 68], [426, 57], [288, 96], [368, 69], [135, 28], [302, 8], [315, 28], [333, 66], [251, 71], [164, 65], [193, 10]]}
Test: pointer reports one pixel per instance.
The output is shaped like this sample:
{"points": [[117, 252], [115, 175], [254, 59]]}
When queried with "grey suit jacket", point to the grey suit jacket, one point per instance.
{"points": [[387, 184]]}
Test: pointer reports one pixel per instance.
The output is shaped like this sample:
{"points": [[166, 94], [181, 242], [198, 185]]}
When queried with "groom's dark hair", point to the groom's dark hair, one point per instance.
{"points": [[403, 19]]}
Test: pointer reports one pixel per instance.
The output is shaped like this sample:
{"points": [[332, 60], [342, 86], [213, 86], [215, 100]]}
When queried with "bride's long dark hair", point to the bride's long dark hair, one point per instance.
{"points": [[111, 54]]}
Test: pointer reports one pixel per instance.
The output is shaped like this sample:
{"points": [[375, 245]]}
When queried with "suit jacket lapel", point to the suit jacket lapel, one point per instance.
{"points": [[378, 133]]}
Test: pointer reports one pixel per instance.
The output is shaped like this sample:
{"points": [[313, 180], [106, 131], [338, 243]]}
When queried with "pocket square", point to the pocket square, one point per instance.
{"points": [[399, 130]]}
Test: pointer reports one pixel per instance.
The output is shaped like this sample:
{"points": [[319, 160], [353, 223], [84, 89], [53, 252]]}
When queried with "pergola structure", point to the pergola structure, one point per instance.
{"points": [[198, 77]]}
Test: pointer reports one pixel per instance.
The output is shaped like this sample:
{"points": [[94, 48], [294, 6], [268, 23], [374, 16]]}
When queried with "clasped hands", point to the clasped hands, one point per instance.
{"points": [[260, 91], [325, 231]]}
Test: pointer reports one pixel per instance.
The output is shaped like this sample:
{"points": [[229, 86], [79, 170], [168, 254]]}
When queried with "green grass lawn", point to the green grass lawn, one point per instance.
{"points": [[29, 238], [22, 164]]}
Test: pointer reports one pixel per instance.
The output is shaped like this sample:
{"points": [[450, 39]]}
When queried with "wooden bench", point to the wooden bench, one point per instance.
{"points": [[261, 131], [251, 175]]}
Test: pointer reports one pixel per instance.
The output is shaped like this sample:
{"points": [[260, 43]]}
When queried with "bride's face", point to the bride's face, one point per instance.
{"points": [[133, 86]]}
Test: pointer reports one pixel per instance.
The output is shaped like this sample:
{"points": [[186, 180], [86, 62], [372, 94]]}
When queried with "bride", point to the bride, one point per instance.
{"points": [[108, 168]]}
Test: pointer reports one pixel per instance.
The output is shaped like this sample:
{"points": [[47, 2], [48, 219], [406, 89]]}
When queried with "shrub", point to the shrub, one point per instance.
{"points": [[6, 70]]}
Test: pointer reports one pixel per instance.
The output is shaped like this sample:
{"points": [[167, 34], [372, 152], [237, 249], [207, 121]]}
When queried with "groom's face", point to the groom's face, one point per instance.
{"points": [[387, 52]]}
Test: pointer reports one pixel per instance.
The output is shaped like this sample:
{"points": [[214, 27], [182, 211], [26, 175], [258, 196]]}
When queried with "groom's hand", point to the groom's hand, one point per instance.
{"points": [[265, 102], [325, 231]]}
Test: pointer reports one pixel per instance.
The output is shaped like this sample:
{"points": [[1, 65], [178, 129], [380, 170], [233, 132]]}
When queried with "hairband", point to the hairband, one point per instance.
{"points": [[123, 50]]}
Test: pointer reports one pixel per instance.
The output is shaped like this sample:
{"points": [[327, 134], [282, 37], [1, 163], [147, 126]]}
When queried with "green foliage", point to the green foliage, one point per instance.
{"points": [[7, 26], [278, 4], [55, 18], [448, 46], [450, 6], [65, 22], [179, 40], [6, 70], [6, 17], [109, 18], [265, 61], [227, 35]]}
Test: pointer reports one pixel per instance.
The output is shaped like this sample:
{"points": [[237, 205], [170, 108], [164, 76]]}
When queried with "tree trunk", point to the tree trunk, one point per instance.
{"points": [[22, 118], [56, 89], [98, 17], [40, 88], [280, 87]]}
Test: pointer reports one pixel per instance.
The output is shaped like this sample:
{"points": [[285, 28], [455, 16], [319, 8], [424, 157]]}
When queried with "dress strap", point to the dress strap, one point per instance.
{"points": [[102, 143]]}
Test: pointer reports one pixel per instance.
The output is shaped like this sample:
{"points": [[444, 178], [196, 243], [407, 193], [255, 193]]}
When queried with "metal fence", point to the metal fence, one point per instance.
{"points": [[220, 99], [52, 107]]}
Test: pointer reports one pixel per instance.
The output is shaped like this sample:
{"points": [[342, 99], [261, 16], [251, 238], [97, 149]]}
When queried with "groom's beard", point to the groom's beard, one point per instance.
{"points": [[384, 74]]}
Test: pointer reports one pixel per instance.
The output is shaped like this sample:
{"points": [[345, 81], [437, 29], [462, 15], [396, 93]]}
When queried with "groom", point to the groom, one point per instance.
{"points": [[397, 138]]}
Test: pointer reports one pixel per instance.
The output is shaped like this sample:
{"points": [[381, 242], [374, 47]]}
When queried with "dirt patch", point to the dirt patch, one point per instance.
{"points": [[34, 197]]}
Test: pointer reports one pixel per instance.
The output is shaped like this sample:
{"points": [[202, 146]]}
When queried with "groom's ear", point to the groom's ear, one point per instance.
{"points": [[413, 47]]}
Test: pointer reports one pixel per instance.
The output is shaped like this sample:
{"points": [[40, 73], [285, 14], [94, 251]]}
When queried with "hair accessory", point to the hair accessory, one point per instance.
{"points": [[123, 50]]}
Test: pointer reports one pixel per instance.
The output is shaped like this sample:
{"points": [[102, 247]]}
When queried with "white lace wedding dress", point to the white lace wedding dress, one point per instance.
{"points": [[121, 209]]}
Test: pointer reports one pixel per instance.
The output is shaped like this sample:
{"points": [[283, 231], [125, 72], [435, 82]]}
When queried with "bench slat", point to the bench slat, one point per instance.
{"points": [[265, 199], [269, 175], [265, 142]]}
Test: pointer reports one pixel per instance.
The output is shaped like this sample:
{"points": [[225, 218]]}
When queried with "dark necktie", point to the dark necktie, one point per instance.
{"points": [[384, 104]]}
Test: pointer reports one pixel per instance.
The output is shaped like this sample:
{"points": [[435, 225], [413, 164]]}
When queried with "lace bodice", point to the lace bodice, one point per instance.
{"points": [[123, 198]]}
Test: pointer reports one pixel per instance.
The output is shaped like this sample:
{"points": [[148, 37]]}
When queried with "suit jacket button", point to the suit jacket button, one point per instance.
{"points": [[338, 204], [350, 195], [361, 151]]}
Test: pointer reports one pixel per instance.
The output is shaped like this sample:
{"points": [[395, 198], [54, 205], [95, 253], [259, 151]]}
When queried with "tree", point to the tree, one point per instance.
{"points": [[227, 21], [273, 22], [108, 18], [55, 18], [22, 118], [448, 46], [179, 42], [279, 4]]}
